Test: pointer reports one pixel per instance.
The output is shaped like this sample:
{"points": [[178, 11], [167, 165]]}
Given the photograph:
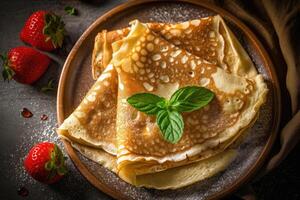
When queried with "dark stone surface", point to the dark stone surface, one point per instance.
{"points": [[18, 134]]}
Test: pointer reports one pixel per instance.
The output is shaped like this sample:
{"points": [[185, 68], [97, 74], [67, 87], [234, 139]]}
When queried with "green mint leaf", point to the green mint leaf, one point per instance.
{"points": [[169, 119], [146, 102], [170, 124], [71, 10], [190, 98], [162, 104]]}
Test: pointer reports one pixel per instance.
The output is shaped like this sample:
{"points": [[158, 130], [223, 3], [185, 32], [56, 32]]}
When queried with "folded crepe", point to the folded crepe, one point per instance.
{"points": [[208, 38], [93, 122], [144, 66], [148, 63], [173, 178]]}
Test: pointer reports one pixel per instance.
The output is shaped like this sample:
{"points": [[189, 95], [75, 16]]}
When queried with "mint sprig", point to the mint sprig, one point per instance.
{"points": [[168, 112]]}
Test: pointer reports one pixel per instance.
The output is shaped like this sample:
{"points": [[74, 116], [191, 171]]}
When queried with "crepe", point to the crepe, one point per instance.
{"points": [[99, 156], [143, 66], [93, 123], [208, 38], [196, 172], [93, 130]]}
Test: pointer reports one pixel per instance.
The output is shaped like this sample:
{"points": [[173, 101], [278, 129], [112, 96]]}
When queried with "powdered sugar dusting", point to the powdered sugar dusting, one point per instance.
{"points": [[170, 13]]}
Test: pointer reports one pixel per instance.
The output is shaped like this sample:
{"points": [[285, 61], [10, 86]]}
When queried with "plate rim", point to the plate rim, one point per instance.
{"points": [[251, 36]]}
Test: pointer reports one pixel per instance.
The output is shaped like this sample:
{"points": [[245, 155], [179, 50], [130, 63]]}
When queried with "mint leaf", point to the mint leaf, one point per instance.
{"points": [[71, 10], [146, 102], [169, 119], [170, 124], [190, 98]]}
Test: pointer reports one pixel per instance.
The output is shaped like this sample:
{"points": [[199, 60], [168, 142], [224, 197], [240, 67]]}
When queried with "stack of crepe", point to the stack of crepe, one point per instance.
{"points": [[160, 58]]}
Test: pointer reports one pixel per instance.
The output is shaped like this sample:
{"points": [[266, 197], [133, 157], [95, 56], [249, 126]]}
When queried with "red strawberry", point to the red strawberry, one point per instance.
{"points": [[43, 30], [24, 64], [45, 163]]}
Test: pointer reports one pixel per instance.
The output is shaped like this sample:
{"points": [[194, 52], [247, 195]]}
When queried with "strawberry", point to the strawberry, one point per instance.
{"points": [[43, 30], [45, 163], [24, 64]]}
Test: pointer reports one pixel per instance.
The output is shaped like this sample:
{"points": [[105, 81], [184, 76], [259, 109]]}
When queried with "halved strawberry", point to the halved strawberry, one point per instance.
{"points": [[45, 163], [43, 30]]}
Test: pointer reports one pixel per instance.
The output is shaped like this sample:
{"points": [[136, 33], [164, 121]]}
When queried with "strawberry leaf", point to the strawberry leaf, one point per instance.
{"points": [[71, 10], [3, 57], [53, 155], [49, 87], [54, 29], [62, 171], [52, 174], [56, 164], [7, 72], [48, 166]]}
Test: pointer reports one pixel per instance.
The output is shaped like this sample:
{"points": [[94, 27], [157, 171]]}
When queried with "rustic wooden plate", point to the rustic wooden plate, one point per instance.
{"points": [[76, 79]]}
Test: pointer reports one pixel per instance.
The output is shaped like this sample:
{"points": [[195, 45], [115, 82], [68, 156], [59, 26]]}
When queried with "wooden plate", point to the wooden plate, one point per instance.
{"points": [[76, 80]]}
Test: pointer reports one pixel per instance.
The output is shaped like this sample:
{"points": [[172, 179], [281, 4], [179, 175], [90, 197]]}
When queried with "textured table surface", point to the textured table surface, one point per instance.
{"points": [[18, 134]]}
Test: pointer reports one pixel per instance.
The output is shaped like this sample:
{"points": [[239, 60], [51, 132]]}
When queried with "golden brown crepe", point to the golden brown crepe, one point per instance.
{"points": [[182, 176], [147, 63], [93, 123], [208, 38]]}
